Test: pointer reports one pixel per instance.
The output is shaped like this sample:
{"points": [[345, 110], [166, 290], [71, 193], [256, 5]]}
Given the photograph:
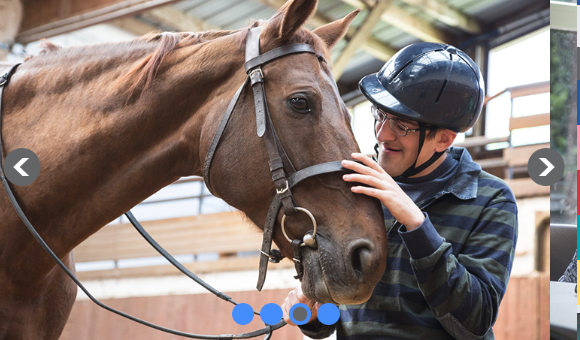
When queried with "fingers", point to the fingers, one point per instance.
{"points": [[372, 192], [367, 161], [294, 297], [365, 179], [286, 312]]}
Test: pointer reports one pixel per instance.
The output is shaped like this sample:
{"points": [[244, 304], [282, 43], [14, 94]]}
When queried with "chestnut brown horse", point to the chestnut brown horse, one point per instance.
{"points": [[114, 123]]}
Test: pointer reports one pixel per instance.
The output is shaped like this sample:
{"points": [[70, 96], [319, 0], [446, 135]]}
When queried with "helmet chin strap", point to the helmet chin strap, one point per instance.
{"points": [[413, 169]]}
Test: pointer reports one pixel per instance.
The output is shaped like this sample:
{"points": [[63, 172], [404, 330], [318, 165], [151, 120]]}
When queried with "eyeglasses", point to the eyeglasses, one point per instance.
{"points": [[399, 128]]}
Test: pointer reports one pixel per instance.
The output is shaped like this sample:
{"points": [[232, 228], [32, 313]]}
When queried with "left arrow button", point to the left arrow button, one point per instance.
{"points": [[21, 167], [18, 167]]}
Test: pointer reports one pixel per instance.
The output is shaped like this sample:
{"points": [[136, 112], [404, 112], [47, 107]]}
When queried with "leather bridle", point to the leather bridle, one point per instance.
{"points": [[284, 175]]}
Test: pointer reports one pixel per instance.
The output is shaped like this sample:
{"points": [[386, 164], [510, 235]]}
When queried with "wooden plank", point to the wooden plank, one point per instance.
{"points": [[222, 265], [448, 15], [529, 89], [544, 305], [134, 25], [542, 241], [520, 155], [179, 20], [194, 313], [223, 232], [360, 35], [372, 46], [529, 121], [526, 187], [90, 13], [480, 141], [408, 22], [488, 163]]}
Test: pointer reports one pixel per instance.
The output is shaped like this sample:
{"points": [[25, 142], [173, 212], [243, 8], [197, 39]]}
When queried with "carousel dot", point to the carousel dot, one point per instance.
{"points": [[328, 314], [300, 314], [271, 314], [243, 314]]}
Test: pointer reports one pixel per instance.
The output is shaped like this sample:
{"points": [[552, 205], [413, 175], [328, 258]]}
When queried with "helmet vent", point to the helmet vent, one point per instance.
{"points": [[441, 92], [409, 62], [446, 80]]}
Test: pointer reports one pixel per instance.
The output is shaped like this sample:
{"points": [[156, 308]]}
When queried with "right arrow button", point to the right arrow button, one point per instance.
{"points": [[546, 167], [549, 167]]}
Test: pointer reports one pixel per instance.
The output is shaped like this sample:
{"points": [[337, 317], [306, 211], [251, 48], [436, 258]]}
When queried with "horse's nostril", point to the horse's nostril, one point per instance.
{"points": [[361, 257]]}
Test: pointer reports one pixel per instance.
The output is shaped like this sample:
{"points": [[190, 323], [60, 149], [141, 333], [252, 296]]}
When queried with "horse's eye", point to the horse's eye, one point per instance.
{"points": [[299, 104]]}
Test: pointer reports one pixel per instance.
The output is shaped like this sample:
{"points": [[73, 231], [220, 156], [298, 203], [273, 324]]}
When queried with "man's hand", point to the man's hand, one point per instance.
{"points": [[294, 297], [384, 188]]}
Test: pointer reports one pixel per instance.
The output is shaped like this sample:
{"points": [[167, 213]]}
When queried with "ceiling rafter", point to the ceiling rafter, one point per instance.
{"points": [[447, 15], [408, 22], [371, 45], [179, 20], [362, 33]]}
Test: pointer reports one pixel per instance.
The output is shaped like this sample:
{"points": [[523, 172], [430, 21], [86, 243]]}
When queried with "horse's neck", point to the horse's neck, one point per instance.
{"points": [[100, 158]]}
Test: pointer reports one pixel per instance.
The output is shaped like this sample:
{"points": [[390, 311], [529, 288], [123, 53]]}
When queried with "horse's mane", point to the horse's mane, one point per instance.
{"points": [[139, 77]]}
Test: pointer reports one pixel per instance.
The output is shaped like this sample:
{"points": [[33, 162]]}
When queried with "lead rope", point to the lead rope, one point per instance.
{"points": [[267, 330]]}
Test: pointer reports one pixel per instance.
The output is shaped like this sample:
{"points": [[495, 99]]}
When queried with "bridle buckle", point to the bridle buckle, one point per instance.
{"points": [[283, 190], [259, 70]]}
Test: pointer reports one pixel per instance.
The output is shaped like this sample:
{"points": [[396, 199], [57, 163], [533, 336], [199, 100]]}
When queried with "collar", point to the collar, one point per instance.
{"points": [[464, 182]]}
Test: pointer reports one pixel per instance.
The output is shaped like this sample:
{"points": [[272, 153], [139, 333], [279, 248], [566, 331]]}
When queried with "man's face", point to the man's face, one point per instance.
{"points": [[397, 153]]}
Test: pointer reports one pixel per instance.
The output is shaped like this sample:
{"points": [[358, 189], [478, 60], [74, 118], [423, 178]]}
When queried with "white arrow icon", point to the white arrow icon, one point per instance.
{"points": [[549, 165], [23, 160]]}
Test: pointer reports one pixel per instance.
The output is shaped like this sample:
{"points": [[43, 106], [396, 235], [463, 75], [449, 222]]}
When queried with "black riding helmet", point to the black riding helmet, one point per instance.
{"points": [[430, 83]]}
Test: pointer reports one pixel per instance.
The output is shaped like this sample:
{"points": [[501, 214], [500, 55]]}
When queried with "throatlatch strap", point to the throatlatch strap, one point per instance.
{"points": [[218, 135]]}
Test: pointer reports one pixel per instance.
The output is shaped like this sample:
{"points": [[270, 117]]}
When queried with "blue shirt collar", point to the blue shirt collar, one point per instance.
{"points": [[463, 184]]}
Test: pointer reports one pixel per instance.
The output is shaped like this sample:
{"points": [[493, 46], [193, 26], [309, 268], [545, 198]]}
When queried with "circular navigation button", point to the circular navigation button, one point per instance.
{"points": [[21, 167], [299, 314], [243, 314], [328, 314], [546, 167], [271, 314]]}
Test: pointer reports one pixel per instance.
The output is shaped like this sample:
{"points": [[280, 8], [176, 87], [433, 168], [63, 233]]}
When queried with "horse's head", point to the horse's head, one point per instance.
{"points": [[314, 127]]}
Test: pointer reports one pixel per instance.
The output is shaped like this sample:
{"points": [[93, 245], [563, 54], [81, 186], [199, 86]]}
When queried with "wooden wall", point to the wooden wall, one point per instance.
{"points": [[524, 314], [200, 313]]}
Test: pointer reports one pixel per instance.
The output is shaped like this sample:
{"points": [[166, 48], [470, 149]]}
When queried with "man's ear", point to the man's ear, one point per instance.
{"points": [[288, 19], [445, 138], [332, 32]]}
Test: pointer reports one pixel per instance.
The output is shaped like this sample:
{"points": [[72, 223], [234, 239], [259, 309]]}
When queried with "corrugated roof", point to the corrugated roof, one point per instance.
{"points": [[234, 14]]}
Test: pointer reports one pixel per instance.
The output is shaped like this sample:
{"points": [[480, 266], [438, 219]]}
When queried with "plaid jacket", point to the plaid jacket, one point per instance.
{"points": [[445, 279]]}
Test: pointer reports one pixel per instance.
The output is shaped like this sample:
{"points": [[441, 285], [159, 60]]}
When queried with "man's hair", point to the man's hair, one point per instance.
{"points": [[432, 131]]}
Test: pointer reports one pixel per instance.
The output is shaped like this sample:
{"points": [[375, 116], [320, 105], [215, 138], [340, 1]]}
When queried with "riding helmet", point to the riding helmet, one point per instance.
{"points": [[431, 83]]}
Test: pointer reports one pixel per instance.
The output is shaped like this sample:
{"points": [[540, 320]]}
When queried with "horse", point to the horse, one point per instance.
{"points": [[114, 123]]}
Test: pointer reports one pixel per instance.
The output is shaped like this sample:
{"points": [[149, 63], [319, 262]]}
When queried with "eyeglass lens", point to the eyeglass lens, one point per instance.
{"points": [[395, 125]]}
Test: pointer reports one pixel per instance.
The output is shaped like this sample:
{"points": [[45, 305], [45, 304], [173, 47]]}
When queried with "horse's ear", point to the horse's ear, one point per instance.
{"points": [[288, 19], [332, 32]]}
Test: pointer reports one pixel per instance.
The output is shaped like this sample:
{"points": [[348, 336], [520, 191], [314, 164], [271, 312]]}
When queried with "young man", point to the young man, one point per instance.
{"points": [[452, 228]]}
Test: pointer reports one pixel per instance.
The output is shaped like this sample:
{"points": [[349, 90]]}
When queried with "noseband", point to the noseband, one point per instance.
{"points": [[284, 175]]}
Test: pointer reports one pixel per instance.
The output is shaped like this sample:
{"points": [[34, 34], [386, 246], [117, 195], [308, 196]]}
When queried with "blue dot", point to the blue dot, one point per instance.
{"points": [[328, 314], [243, 314], [271, 314], [300, 314]]}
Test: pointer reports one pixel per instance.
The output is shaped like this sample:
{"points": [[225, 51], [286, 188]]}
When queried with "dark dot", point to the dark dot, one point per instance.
{"points": [[300, 313]]}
